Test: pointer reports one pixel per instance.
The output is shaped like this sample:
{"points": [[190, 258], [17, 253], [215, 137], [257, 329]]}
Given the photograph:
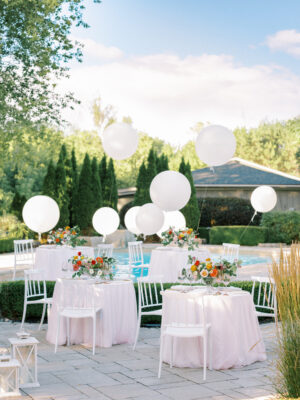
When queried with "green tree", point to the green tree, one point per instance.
{"points": [[103, 172], [139, 194], [84, 198], [74, 189], [110, 190], [49, 183], [61, 194], [17, 205], [191, 210], [35, 49], [97, 191], [151, 172], [162, 163]]}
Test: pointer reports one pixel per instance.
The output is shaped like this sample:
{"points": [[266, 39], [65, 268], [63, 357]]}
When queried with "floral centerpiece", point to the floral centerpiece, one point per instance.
{"points": [[66, 237], [210, 272], [94, 267], [180, 238]]}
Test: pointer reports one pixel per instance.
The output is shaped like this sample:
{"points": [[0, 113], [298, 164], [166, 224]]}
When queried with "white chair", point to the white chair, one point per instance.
{"points": [[24, 255], [136, 257], [35, 293], [149, 300], [231, 251], [83, 306], [265, 297], [187, 331], [105, 250]]}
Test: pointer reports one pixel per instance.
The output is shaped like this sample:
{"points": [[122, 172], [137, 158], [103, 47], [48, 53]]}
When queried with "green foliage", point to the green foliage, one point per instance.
{"points": [[17, 205], [103, 171], [12, 298], [191, 210], [84, 200], [123, 212], [283, 227], [74, 188], [6, 245], [61, 194], [110, 190], [203, 233], [35, 49], [141, 190], [145, 177], [11, 227], [162, 163], [226, 211], [97, 191], [246, 236], [49, 184]]}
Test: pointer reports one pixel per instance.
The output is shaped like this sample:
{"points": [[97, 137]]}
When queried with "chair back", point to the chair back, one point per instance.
{"points": [[23, 250], [231, 251], [149, 292], [105, 250], [89, 296], [265, 297], [35, 285], [135, 251]]}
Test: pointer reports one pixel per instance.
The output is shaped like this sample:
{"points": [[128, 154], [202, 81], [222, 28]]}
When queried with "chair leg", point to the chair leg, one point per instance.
{"points": [[43, 315], [204, 356], [160, 355], [172, 351], [210, 349], [94, 334], [68, 331], [137, 331], [24, 314], [57, 333]]}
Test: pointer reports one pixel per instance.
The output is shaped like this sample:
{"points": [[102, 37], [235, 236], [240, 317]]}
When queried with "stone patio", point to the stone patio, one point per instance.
{"points": [[120, 373]]}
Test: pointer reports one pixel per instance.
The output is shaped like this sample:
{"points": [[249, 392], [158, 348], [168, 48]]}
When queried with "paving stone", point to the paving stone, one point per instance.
{"points": [[127, 391], [189, 392], [140, 373], [55, 389], [254, 392], [139, 364], [120, 377], [87, 376], [111, 367], [154, 380]]}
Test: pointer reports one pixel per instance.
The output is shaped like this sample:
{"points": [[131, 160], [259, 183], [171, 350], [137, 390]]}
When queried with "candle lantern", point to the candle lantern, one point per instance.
{"points": [[25, 352], [9, 377]]}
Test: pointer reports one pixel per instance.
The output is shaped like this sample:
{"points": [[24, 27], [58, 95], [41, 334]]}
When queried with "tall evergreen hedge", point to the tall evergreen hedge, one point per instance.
{"points": [[49, 183], [61, 194], [97, 190]]}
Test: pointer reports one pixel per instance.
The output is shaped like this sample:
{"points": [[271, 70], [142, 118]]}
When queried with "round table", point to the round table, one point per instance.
{"points": [[236, 336], [116, 322], [168, 262], [50, 259]]}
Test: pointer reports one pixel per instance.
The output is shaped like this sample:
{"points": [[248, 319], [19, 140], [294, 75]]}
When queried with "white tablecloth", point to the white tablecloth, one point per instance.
{"points": [[236, 336], [169, 261], [50, 259], [116, 322]]}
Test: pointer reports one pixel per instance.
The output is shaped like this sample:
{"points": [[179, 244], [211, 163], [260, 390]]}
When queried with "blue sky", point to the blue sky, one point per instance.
{"points": [[236, 61]]}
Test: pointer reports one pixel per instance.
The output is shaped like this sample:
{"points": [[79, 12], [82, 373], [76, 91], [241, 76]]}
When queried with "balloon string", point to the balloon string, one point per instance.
{"points": [[251, 220]]}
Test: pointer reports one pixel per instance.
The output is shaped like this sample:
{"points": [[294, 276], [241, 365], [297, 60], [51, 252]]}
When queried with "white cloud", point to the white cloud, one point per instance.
{"points": [[95, 50], [287, 41], [166, 95]]}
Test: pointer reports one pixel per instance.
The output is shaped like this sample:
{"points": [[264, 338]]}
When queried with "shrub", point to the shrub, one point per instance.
{"points": [[203, 233], [283, 227], [6, 245], [226, 211], [247, 236], [123, 211], [12, 298]]}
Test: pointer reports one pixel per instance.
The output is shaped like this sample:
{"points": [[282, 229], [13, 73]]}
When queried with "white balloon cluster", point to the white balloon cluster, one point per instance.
{"points": [[130, 220], [149, 219], [106, 221], [215, 145], [263, 199], [173, 218], [120, 140]]}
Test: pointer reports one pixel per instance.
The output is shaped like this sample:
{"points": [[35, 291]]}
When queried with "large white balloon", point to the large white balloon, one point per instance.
{"points": [[149, 219], [106, 220], [263, 198], [215, 145], [170, 190], [130, 221], [40, 213], [173, 218], [120, 140]]}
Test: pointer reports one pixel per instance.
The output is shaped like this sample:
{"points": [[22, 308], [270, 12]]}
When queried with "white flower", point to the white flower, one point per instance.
{"points": [[99, 272], [91, 271]]}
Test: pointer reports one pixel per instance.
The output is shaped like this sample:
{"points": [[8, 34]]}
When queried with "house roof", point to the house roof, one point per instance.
{"points": [[239, 172]]}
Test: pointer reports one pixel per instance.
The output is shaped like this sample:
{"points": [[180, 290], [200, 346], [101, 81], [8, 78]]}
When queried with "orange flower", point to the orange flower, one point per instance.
{"points": [[208, 259], [99, 260], [73, 233], [57, 240], [193, 268], [190, 231], [209, 266], [78, 262], [75, 267], [214, 273], [67, 228], [197, 263]]}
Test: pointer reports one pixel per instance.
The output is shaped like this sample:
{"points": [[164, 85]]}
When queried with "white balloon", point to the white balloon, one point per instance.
{"points": [[106, 220], [130, 222], [170, 190], [40, 213], [149, 219], [215, 145], [263, 198], [173, 219], [120, 140]]}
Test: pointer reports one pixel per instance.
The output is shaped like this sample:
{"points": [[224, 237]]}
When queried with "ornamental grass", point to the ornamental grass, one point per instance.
{"points": [[286, 274]]}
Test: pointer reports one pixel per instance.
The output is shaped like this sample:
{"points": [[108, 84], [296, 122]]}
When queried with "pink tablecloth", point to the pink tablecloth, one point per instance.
{"points": [[236, 336], [117, 320]]}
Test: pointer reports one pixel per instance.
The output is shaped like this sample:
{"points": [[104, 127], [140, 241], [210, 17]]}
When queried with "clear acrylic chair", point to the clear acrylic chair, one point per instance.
{"points": [[264, 298], [24, 254], [105, 250], [35, 293], [136, 257], [187, 331], [231, 251], [150, 301], [83, 305]]}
